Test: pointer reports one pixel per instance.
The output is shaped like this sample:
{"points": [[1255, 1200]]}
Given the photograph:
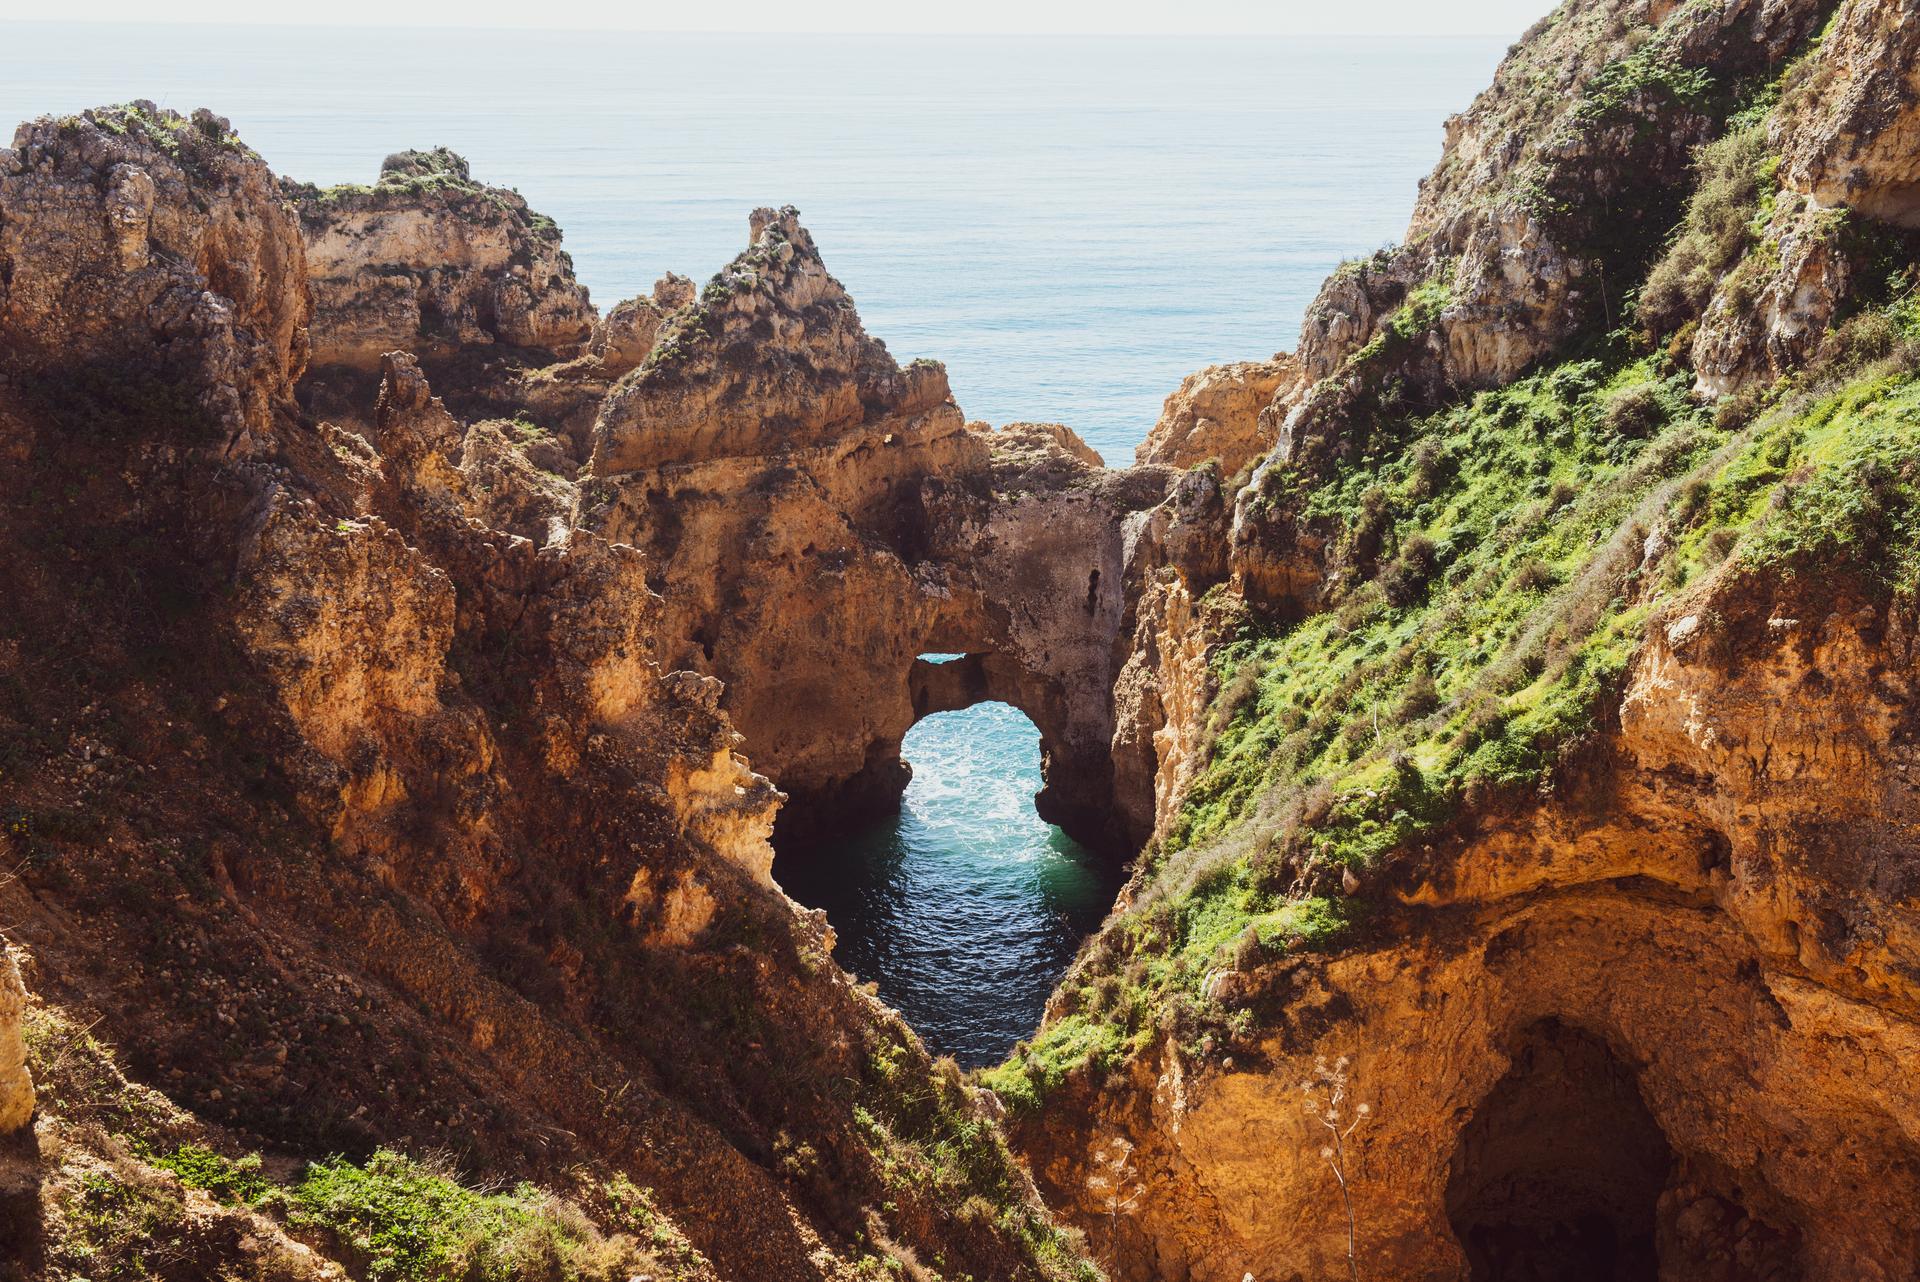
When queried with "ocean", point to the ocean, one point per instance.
{"points": [[1072, 225]]}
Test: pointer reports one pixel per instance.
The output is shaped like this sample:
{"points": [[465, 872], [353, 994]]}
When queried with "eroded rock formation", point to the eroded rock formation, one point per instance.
{"points": [[818, 517], [357, 794], [16, 1084], [1216, 414], [1708, 925], [1519, 743], [1635, 1001], [430, 261]]}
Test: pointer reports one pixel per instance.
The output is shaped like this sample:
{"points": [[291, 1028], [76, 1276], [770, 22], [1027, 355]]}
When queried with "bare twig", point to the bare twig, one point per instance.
{"points": [[1326, 1103]]}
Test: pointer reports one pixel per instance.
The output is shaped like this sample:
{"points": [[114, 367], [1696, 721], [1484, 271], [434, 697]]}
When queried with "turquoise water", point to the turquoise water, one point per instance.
{"points": [[1072, 225], [966, 907]]}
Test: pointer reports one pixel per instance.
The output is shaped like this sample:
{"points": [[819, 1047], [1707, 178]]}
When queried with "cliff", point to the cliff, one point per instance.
{"points": [[386, 898], [1529, 891], [430, 261], [1508, 693]]}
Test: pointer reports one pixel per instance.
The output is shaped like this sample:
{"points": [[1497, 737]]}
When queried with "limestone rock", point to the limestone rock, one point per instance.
{"points": [[1694, 951], [1771, 313], [1851, 125], [116, 265], [431, 262], [350, 623], [623, 340], [771, 357], [1216, 414], [1507, 254]]}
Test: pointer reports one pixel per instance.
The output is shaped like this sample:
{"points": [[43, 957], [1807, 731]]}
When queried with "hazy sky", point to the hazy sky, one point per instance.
{"points": [[1098, 17]]}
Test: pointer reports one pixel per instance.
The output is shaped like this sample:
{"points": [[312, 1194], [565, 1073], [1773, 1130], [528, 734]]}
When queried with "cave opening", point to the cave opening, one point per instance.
{"points": [[1558, 1175], [966, 906]]}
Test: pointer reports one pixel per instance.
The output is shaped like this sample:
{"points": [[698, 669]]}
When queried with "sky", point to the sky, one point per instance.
{"points": [[1072, 17]]}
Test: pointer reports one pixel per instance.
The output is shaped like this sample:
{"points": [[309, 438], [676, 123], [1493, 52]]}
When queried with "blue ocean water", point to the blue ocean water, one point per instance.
{"points": [[1071, 224], [966, 908]]}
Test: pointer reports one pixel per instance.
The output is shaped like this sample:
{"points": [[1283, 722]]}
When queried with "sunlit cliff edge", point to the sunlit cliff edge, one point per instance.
{"points": [[1506, 696]]}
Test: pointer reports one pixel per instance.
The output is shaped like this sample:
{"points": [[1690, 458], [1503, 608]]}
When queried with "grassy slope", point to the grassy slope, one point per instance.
{"points": [[1494, 564], [130, 1176]]}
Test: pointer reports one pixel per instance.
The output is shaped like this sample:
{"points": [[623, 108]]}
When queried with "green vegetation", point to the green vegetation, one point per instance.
{"points": [[404, 1219], [116, 1230], [1621, 89], [226, 1179], [1726, 217], [525, 430], [1480, 622], [393, 1217], [929, 1139], [173, 133], [1491, 569]]}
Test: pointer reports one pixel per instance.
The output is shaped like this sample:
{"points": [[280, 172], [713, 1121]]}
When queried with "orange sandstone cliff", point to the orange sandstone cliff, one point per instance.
{"points": [[1505, 698]]}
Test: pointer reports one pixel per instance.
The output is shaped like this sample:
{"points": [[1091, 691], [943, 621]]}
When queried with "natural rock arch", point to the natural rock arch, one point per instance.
{"points": [[816, 516], [990, 677]]}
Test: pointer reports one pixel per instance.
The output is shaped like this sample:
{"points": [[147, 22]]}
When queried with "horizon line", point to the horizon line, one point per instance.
{"points": [[558, 29]]}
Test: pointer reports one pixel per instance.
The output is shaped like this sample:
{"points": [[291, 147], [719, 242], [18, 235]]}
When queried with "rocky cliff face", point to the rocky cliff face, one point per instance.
{"points": [[353, 789], [817, 517], [1510, 689], [1531, 860], [1589, 1021], [428, 260]]}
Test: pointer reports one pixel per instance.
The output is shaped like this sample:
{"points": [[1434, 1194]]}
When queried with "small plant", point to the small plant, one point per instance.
{"points": [[1635, 411], [1115, 1181], [1326, 1104]]}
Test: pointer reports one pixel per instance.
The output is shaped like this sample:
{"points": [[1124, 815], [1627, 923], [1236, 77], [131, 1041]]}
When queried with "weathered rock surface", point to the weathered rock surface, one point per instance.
{"points": [[1717, 903], [1216, 414], [436, 738], [1655, 1011], [359, 793], [771, 357], [1852, 133], [431, 262], [1771, 315], [1841, 157], [816, 517], [111, 274]]}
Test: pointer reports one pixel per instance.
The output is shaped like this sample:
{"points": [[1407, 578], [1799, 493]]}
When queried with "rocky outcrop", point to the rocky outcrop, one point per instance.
{"points": [[1041, 573], [355, 787], [1715, 902], [624, 339], [1772, 313], [1852, 128], [1507, 256], [1833, 194], [431, 262], [1177, 555], [771, 357], [817, 517], [1216, 414], [113, 279], [1570, 1015]]}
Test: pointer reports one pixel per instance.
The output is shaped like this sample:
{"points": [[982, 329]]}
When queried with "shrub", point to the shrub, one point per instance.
{"points": [[412, 1221], [228, 1180], [1636, 411], [1534, 575], [1735, 173], [1406, 580], [1421, 700]]}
